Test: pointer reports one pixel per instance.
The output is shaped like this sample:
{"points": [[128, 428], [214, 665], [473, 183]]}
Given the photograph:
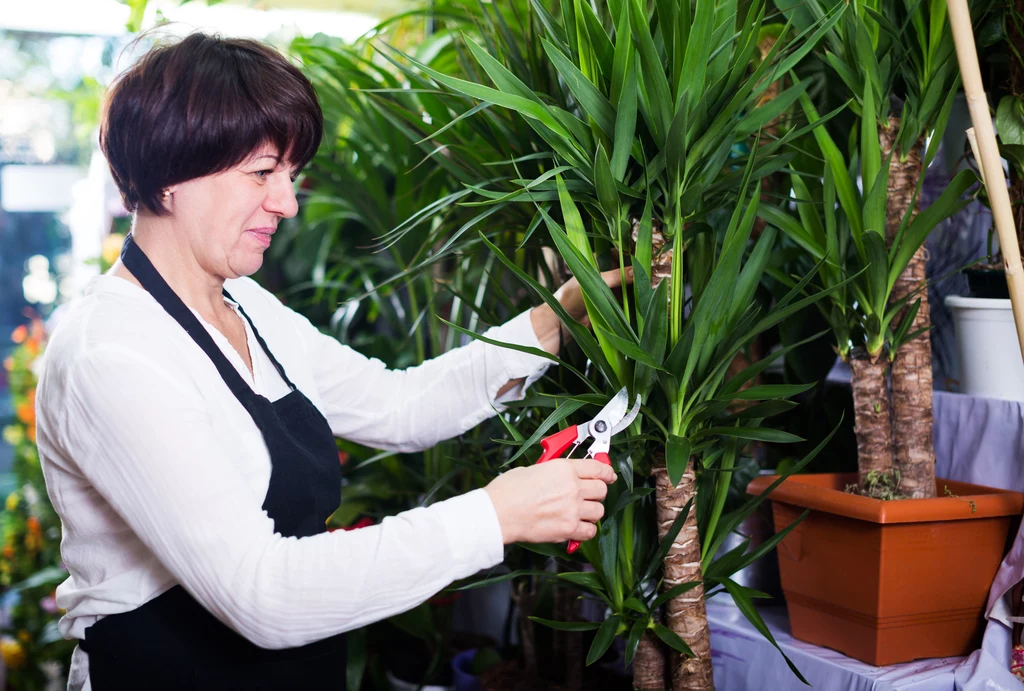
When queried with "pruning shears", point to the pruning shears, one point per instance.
{"points": [[611, 420]]}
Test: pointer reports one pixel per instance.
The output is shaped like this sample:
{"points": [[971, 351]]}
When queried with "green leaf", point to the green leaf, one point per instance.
{"points": [[666, 543], [877, 271], [590, 99], [766, 409], [946, 205], [564, 410], [762, 115], [355, 657], [583, 267], [603, 639], [677, 456], [636, 632], [793, 229], [581, 335], [672, 592], [587, 579], [652, 76], [553, 551], [766, 392], [607, 192], [741, 596], [777, 436], [511, 575], [695, 61], [625, 52], [574, 227], [672, 640], [845, 188], [567, 625], [627, 498], [870, 152]]}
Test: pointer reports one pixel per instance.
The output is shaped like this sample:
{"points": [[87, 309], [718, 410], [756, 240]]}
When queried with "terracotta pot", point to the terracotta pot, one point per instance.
{"points": [[889, 581]]}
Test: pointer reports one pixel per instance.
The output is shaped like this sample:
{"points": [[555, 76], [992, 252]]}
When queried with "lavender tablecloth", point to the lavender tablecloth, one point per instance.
{"points": [[745, 661], [977, 440]]}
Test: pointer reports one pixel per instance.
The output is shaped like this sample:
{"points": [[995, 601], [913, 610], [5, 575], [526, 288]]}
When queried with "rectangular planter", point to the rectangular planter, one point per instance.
{"points": [[889, 581]]}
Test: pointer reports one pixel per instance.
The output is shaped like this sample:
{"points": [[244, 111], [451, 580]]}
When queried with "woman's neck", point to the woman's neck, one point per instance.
{"points": [[174, 260]]}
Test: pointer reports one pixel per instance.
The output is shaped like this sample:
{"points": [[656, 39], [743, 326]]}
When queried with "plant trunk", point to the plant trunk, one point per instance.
{"points": [[524, 597], [685, 614], [568, 645], [871, 411], [650, 666], [912, 365]]}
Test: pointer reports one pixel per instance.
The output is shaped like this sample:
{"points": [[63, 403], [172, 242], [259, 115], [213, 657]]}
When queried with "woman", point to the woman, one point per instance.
{"points": [[186, 418]]}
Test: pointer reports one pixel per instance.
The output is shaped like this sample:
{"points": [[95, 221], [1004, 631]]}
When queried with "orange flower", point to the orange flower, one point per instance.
{"points": [[30, 432], [20, 334], [26, 413], [33, 525], [9, 551], [32, 347], [9, 363]]}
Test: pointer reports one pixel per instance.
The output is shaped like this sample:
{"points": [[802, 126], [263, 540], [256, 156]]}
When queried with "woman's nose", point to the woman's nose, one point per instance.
{"points": [[281, 197]]}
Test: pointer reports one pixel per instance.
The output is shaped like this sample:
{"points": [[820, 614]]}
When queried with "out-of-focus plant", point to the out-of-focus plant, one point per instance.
{"points": [[32, 647]]}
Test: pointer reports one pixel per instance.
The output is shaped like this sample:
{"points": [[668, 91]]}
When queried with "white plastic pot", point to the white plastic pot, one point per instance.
{"points": [[986, 342]]}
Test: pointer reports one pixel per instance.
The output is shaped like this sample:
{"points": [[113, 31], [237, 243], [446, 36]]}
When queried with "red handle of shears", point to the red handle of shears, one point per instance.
{"points": [[574, 544], [554, 446]]}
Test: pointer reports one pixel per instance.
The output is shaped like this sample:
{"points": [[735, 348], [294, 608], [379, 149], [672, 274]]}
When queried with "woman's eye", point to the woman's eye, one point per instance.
{"points": [[263, 174]]}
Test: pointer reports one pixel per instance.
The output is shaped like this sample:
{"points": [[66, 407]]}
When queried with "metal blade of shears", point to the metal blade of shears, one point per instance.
{"points": [[628, 420]]}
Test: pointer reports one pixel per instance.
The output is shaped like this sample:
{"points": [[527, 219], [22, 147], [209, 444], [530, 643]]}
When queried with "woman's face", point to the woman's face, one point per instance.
{"points": [[229, 218]]}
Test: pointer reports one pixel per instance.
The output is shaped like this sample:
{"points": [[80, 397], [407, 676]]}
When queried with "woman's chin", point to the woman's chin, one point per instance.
{"points": [[248, 265]]}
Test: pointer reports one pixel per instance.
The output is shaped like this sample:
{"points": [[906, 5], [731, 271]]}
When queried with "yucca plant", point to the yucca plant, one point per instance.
{"points": [[898, 63], [639, 141], [847, 242]]}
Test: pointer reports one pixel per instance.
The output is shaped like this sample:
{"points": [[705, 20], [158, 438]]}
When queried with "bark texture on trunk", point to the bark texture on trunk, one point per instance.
{"points": [[524, 597], [661, 258], [568, 645], [912, 366], [686, 614], [650, 665], [871, 410]]}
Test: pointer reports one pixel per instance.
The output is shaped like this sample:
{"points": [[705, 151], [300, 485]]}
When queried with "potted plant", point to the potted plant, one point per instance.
{"points": [[989, 358], [637, 138], [876, 579]]}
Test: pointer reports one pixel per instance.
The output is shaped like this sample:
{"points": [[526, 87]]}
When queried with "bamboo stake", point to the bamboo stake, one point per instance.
{"points": [[990, 162]]}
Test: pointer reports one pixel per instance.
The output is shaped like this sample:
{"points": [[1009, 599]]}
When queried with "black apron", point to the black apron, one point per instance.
{"points": [[172, 642]]}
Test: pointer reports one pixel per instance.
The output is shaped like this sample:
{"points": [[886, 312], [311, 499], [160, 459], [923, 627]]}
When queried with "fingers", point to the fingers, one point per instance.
{"points": [[585, 531], [614, 277], [591, 511], [593, 490], [590, 469]]}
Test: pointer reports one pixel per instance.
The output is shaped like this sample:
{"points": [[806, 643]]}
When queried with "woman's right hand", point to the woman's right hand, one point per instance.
{"points": [[554, 501]]}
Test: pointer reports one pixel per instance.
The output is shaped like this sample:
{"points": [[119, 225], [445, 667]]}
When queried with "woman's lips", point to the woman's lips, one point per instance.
{"points": [[262, 236]]}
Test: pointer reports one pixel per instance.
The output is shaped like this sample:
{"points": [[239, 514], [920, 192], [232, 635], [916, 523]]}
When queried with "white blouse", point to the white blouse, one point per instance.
{"points": [[159, 474]]}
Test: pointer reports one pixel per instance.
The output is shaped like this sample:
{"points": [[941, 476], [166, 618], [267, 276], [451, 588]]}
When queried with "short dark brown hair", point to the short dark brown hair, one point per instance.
{"points": [[200, 106]]}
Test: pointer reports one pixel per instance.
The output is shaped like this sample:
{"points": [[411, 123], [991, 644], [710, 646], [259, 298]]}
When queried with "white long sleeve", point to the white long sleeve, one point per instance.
{"points": [[159, 474]]}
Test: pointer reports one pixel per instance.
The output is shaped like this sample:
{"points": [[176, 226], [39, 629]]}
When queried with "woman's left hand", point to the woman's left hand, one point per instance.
{"points": [[550, 331], [570, 295]]}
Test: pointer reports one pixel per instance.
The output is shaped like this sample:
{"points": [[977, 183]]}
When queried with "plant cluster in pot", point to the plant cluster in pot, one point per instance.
{"points": [[986, 337], [876, 569], [640, 141]]}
